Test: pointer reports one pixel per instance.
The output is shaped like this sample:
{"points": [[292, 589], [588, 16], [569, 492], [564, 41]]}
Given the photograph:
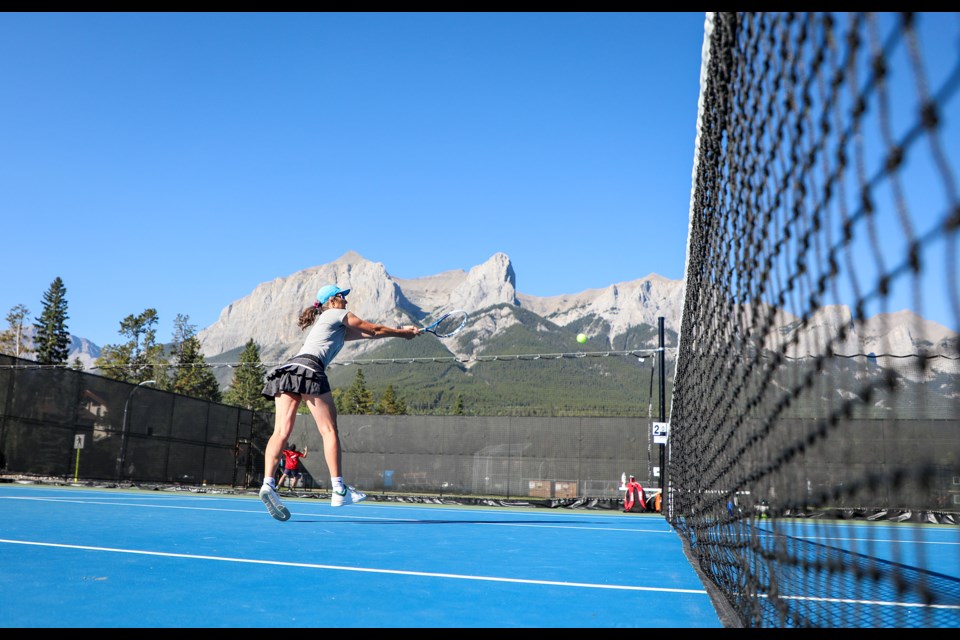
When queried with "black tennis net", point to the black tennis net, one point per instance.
{"points": [[823, 230]]}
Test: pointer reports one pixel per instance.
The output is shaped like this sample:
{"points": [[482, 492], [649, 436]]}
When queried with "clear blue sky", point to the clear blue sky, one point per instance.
{"points": [[176, 161]]}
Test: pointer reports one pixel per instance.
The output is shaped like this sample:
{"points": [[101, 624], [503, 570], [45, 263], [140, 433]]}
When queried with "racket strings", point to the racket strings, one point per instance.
{"points": [[451, 324]]}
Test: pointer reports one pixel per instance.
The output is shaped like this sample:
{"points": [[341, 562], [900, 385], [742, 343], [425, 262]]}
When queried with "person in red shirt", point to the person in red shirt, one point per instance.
{"points": [[291, 465]]}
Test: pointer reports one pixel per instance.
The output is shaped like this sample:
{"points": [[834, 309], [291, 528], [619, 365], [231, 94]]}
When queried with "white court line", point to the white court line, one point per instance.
{"points": [[186, 495], [873, 540], [133, 504], [766, 533], [339, 516], [424, 574], [880, 603]]}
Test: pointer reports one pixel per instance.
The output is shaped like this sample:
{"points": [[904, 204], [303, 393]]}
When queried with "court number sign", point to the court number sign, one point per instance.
{"points": [[660, 432]]}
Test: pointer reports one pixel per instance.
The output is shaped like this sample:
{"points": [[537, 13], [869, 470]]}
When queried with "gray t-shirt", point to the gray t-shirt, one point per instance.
{"points": [[326, 336]]}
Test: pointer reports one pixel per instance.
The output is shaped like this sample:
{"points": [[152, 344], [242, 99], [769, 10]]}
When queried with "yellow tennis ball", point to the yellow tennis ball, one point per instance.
{"points": [[581, 338]]}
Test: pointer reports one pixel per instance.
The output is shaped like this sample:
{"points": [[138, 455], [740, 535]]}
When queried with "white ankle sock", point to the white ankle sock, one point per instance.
{"points": [[337, 484]]}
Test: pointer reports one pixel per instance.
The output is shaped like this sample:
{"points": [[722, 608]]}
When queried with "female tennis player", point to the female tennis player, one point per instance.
{"points": [[303, 379]]}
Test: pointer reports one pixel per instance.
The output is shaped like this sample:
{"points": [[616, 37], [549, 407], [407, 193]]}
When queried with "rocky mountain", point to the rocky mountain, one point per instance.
{"points": [[613, 312], [80, 349], [619, 317], [84, 350], [887, 337], [890, 334], [610, 316]]}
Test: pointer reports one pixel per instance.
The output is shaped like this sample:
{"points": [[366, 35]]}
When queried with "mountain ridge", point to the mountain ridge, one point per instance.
{"points": [[616, 317]]}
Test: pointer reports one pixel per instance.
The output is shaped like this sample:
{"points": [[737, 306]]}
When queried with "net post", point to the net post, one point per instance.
{"points": [[663, 385]]}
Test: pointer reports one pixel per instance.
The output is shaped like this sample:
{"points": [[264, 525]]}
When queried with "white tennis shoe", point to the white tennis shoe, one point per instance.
{"points": [[350, 495], [270, 498]]}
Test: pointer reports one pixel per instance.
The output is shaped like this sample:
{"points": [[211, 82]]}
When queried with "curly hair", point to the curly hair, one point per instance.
{"points": [[309, 315]]}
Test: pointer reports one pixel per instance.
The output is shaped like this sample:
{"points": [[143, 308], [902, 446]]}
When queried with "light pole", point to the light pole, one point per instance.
{"points": [[123, 429]]}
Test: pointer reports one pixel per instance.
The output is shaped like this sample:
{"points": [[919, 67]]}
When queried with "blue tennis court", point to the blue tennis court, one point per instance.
{"points": [[82, 557], [857, 573]]}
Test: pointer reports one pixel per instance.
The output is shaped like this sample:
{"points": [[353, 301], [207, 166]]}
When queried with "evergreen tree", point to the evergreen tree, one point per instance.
{"points": [[358, 399], [193, 377], [245, 389], [138, 359], [458, 406], [114, 362], [52, 340], [77, 364], [390, 404], [14, 341], [339, 400], [182, 330]]}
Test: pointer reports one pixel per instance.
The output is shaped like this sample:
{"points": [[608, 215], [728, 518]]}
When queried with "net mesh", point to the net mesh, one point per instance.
{"points": [[824, 203]]}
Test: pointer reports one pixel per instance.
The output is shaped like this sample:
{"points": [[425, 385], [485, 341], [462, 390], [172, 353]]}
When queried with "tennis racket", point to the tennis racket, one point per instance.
{"points": [[449, 324]]}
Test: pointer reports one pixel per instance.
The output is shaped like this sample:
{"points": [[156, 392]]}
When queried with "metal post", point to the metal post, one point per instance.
{"points": [[663, 390], [123, 429]]}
